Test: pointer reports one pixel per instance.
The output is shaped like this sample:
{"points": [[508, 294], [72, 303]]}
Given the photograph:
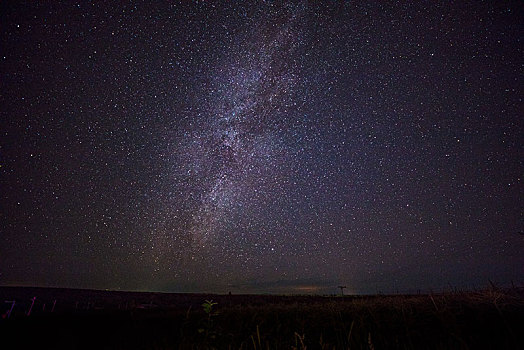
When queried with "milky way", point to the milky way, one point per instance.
{"points": [[261, 147], [233, 146]]}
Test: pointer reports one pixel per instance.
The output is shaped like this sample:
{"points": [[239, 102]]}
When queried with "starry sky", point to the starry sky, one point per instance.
{"points": [[261, 147]]}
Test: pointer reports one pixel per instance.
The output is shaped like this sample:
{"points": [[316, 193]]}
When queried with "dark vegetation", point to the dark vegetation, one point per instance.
{"points": [[83, 319]]}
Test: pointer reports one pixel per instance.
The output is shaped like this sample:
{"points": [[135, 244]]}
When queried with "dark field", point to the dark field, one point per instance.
{"points": [[83, 319]]}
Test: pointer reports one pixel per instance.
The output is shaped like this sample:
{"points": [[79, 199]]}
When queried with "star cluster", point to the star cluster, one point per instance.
{"points": [[261, 147]]}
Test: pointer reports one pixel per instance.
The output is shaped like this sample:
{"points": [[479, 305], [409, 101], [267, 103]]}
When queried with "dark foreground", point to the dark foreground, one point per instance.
{"points": [[81, 319]]}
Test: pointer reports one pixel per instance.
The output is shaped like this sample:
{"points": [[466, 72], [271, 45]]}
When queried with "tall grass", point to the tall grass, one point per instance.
{"points": [[492, 319]]}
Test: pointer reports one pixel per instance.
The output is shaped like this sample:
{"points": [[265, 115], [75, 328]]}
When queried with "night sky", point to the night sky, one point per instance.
{"points": [[261, 147]]}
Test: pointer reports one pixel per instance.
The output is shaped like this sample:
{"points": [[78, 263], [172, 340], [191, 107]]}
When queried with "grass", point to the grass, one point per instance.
{"points": [[491, 319]]}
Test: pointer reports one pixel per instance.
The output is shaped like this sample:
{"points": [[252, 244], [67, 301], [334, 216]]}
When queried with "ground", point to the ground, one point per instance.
{"points": [[83, 319]]}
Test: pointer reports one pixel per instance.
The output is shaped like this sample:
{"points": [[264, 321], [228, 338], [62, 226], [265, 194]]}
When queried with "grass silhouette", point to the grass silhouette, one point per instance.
{"points": [[489, 319]]}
